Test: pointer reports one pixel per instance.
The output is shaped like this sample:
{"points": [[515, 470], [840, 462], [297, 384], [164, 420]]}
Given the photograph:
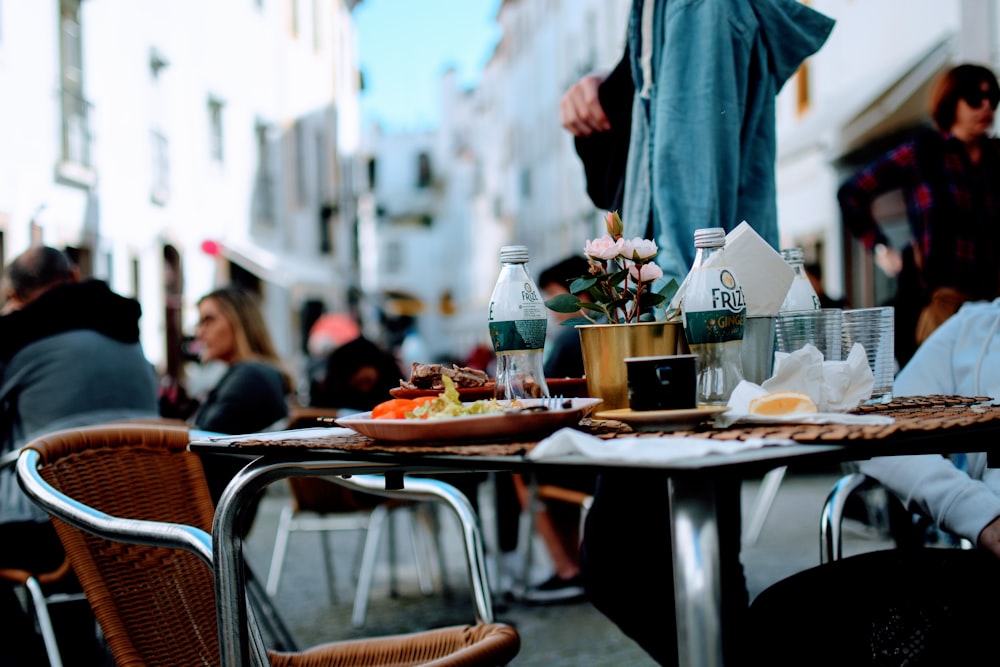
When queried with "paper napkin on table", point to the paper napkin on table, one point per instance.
{"points": [[760, 269], [571, 443], [834, 386], [301, 433]]}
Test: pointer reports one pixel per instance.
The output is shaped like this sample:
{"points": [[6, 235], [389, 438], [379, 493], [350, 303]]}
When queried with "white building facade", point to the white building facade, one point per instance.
{"points": [[177, 145]]}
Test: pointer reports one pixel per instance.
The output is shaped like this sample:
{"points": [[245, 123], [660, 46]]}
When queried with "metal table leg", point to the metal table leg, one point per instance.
{"points": [[697, 571]]}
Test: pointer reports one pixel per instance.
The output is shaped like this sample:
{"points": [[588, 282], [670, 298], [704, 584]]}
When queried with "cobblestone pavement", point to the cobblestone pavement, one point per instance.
{"points": [[574, 635]]}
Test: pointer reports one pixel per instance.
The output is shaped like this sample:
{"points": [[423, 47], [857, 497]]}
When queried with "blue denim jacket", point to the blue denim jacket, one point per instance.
{"points": [[702, 149]]}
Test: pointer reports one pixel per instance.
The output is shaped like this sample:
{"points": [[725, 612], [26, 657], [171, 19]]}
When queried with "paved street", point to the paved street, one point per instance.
{"points": [[554, 636]]}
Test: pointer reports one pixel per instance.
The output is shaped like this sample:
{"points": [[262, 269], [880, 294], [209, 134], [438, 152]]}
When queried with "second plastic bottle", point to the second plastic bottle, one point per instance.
{"points": [[714, 315], [517, 322]]}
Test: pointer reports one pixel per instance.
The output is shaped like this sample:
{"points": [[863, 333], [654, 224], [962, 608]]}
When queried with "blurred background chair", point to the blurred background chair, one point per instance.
{"points": [[143, 558], [538, 495], [324, 506]]}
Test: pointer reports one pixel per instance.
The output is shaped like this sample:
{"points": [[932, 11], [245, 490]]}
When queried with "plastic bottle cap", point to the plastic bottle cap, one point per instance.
{"points": [[710, 237], [514, 254]]}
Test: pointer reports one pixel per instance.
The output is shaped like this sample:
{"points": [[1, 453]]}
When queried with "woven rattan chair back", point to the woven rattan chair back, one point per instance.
{"points": [[156, 605]]}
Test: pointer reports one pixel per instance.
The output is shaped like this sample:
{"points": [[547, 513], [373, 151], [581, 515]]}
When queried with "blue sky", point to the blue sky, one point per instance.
{"points": [[405, 46]]}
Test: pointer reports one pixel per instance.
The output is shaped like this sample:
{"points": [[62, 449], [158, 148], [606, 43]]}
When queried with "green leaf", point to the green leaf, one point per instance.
{"points": [[669, 290], [598, 307], [650, 300], [574, 321], [564, 303], [582, 284]]}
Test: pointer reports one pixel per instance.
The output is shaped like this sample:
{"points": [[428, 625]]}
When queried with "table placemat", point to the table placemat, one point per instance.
{"points": [[916, 413], [921, 413]]}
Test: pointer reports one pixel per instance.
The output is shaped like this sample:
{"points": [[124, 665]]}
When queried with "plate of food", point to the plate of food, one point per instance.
{"points": [[476, 420], [472, 384]]}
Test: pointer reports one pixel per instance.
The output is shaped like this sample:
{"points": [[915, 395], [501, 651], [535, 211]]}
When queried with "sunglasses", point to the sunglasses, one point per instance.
{"points": [[974, 98]]}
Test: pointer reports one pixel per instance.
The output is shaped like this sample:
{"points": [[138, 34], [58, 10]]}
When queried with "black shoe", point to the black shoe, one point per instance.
{"points": [[555, 589]]}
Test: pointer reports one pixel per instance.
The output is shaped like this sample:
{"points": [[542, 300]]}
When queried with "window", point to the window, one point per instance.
{"points": [[293, 11], [326, 213], [264, 182], [215, 134], [160, 186], [322, 166], [75, 109], [301, 189], [315, 25], [371, 173], [526, 182], [393, 258], [424, 175]]}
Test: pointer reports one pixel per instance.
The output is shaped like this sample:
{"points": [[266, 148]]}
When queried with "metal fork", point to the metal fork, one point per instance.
{"points": [[555, 402]]}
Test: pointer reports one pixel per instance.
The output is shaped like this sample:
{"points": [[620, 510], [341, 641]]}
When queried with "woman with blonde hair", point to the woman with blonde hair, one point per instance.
{"points": [[253, 393]]}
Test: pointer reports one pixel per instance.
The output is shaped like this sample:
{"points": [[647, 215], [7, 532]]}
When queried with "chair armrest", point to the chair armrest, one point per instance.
{"points": [[134, 531], [831, 543]]}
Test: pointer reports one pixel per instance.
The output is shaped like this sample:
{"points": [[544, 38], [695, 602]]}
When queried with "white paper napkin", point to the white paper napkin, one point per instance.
{"points": [[763, 273], [834, 386], [569, 442], [301, 433]]}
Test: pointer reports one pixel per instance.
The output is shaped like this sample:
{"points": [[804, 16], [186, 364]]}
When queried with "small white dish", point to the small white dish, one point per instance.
{"points": [[662, 420]]}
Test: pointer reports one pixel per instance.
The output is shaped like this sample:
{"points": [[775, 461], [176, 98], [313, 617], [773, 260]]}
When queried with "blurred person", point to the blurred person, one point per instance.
{"points": [[814, 271], [961, 357], [701, 154], [69, 356], [703, 135], [359, 375], [563, 351], [253, 392], [557, 524], [596, 110], [950, 179]]}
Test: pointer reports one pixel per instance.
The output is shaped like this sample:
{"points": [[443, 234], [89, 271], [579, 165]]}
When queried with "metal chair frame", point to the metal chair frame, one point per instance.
{"points": [[375, 523]]}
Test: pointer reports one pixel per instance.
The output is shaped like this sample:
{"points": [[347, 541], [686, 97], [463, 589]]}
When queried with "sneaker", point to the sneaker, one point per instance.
{"points": [[555, 589]]}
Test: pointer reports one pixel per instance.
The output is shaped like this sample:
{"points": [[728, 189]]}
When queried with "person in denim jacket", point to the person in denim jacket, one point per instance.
{"points": [[702, 148]]}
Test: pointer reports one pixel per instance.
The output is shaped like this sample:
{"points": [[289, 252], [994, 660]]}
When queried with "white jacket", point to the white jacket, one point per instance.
{"points": [[961, 357]]}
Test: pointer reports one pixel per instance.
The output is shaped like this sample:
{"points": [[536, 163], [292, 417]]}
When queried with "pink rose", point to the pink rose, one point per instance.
{"points": [[604, 248], [645, 273]]}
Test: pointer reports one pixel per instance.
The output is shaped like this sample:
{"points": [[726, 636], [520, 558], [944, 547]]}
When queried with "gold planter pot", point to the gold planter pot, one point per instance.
{"points": [[606, 346]]}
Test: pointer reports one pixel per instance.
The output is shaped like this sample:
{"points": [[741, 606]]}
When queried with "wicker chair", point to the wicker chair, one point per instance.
{"points": [[133, 511]]}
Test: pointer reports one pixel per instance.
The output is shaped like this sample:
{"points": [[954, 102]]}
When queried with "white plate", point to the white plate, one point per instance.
{"points": [[473, 427], [663, 420]]}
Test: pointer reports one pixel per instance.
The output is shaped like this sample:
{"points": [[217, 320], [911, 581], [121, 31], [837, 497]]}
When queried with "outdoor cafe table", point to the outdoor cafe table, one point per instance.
{"points": [[935, 424]]}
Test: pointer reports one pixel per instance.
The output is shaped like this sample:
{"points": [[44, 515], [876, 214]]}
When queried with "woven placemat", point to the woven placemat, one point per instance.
{"points": [[913, 413], [919, 413], [358, 442]]}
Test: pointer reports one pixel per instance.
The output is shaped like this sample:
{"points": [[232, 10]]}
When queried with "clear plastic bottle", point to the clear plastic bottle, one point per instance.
{"points": [[517, 323], [801, 295], [714, 314]]}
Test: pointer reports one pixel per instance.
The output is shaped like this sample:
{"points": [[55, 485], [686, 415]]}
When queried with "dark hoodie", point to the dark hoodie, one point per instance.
{"points": [[85, 305]]}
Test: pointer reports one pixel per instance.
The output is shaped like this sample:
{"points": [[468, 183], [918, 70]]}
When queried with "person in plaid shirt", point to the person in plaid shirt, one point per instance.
{"points": [[950, 179]]}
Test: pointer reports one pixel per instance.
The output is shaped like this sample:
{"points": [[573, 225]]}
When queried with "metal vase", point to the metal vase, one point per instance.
{"points": [[606, 346]]}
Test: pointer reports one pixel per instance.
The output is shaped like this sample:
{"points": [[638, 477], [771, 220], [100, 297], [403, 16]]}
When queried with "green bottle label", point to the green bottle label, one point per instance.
{"points": [[713, 326], [517, 335]]}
